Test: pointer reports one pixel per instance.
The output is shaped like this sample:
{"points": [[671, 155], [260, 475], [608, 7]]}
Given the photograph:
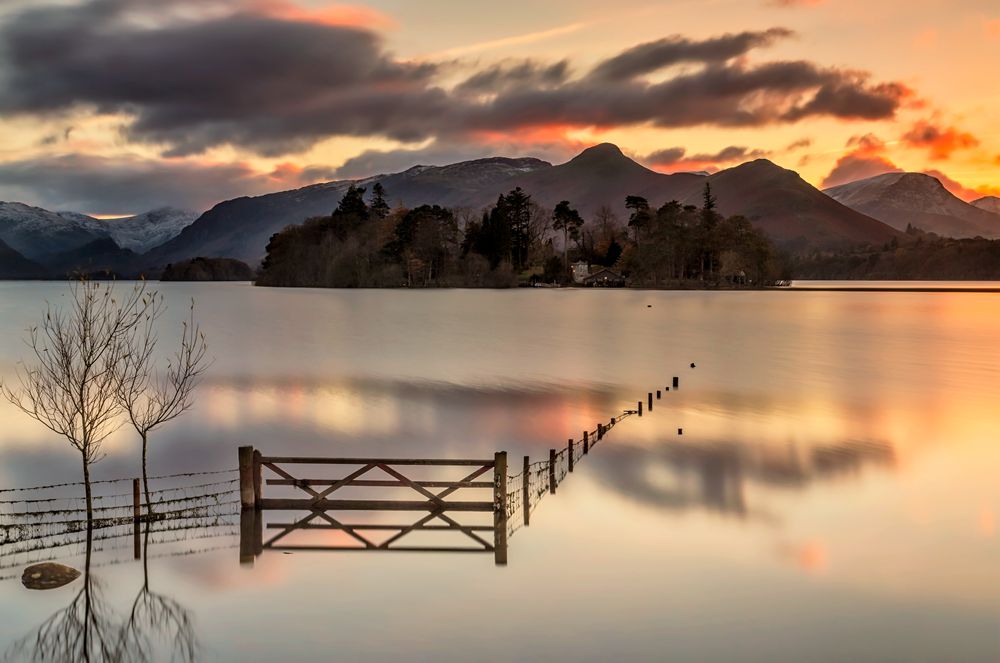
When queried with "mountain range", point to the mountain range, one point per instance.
{"points": [[40, 234], [788, 208], [902, 199], [791, 211]]}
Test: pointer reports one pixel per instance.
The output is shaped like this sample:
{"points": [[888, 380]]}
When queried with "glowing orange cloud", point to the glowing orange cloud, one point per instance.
{"points": [[341, 15], [941, 141], [541, 134]]}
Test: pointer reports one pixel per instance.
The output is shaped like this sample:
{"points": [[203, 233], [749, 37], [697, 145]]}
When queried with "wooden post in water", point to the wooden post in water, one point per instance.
{"points": [[136, 517], [552, 471], [640, 408], [650, 396], [258, 493], [247, 495], [677, 382], [657, 394], [500, 508], [586, 442], [248, 536], [600, 431], [569, 450], [525, 492]]}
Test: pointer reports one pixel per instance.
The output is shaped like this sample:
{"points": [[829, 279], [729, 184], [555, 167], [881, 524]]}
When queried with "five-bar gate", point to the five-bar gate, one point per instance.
{"points": [[322, 498]]}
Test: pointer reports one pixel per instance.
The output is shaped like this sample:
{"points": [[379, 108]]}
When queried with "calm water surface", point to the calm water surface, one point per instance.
{"points": [[834, 495]]}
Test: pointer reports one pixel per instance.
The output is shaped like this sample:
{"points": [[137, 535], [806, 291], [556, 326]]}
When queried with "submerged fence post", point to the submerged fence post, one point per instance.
{"points": [[552, 471], [569, 450], [677, 382], [586, 442], [258, 493], [247, 493], [136, 517], [640, 408], [658, 394], [600, 431], [525, 491], [500, 508]]}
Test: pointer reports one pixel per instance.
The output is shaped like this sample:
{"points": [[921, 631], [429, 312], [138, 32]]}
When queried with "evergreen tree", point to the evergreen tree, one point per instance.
{"points": [[568, 220], [379, 208]]}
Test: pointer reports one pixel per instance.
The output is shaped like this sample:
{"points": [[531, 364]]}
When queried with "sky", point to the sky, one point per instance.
{"points": [[114, 107]]}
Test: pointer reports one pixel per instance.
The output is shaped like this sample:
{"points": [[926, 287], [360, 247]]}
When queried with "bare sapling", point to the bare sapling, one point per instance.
{"points": [[151, 396], [69, 384]]}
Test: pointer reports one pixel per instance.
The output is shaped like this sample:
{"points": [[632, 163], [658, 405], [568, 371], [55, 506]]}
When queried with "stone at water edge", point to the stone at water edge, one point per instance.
{"points": [[48, 575]]}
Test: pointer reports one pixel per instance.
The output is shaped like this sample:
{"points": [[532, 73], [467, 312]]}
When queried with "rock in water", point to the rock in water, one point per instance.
{"points": [[48, 575]]}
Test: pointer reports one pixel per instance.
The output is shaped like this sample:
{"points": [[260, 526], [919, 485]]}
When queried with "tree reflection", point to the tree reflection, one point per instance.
{"points": [[89, 630], [155, 617], [82, 631]]}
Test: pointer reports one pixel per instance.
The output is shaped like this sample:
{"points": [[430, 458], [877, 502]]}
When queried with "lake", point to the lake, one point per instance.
{"points": [[833, 497]]}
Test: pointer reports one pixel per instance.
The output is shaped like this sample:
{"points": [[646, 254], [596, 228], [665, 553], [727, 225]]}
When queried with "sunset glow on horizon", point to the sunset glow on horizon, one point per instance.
{"points": [[188, 103]]}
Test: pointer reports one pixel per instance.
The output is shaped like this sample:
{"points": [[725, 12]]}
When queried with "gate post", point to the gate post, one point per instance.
{"points": [[500, 508], [247, 493]]}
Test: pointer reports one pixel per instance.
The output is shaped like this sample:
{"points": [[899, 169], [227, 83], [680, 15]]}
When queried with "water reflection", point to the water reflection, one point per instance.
{"points": [[157, 627], [85, 630], [156, 617]]}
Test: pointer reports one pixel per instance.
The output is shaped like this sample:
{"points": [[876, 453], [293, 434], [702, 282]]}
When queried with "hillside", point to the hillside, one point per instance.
{"points": [[901, 199], [13, 265], [788, 209], [989, 203]]}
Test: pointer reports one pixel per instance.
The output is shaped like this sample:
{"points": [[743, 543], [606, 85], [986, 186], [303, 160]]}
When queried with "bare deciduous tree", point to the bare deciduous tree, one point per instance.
{"points": [[70, 387], [151, 397]]}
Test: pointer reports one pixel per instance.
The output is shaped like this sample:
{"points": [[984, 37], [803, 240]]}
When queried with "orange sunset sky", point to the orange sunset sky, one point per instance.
{"points": [[112, 107]]}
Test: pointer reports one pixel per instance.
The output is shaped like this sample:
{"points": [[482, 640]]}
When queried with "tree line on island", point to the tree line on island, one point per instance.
{"points": [[366, 243]]}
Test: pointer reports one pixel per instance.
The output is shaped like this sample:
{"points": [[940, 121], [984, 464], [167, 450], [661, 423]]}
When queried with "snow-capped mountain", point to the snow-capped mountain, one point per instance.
{"points": [[900, 199], [38, 233], [142, 232], [35, 232]]}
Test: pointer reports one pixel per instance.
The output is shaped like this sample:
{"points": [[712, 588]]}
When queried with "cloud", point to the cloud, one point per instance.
{"points": [[800, 144], [866, 159], [509, 75], [273, 85], [676, 159], [940, 141], [125, 185], [266, 76], [957, 188], [652, 56]]}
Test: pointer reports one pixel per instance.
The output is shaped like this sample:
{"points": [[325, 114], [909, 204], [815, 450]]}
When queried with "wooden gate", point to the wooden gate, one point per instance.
{"points": [[437, 497]]}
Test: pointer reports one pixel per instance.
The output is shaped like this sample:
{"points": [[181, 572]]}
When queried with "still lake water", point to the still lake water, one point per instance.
{"points": [[834, 496]]}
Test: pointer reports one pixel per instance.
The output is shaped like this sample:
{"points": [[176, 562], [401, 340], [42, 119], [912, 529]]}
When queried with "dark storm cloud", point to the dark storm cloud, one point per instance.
{"points": [[679, 157], [726, 95], [244, 79], [655, 55], [506, 75], [99, 185], [277, 86]]}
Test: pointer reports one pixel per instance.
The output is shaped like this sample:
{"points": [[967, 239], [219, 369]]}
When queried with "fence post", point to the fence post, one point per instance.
{"points": [[658, 394], [650, 396], [525, 492], [677, 382], [586, 442], [247, 497], [136, 517], [569, 450], [552, 471], [640, 408], [500, 508], [258, 493], [600, 431]]}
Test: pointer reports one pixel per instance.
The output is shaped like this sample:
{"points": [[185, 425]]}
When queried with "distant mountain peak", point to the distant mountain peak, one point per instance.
{"points": [[601, 152], [988, 203]]}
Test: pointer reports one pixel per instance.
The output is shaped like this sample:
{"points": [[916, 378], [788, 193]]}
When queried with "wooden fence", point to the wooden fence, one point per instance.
{"points": [[321, 497]]}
